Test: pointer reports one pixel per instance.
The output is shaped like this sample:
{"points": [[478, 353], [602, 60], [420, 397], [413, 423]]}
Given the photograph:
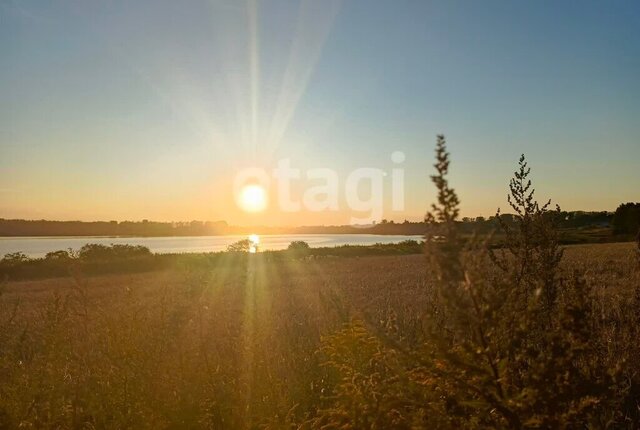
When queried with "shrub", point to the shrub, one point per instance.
{"points": [[298, 245], [243, 245], [298, 248], [532, 245], [14, 258], [508, 340], [95, 251], [58, 255]]}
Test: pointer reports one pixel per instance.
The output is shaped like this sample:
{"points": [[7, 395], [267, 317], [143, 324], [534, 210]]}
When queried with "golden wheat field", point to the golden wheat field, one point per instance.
{"points": [[249, 344]]}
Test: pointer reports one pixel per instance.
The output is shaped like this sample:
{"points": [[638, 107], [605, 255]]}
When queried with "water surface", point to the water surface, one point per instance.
{"points": [[39, 246]]}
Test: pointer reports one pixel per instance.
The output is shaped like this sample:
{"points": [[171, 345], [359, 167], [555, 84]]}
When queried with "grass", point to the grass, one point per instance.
{"points": [[22, 268], [243, 345], [469, 335], [175, 348]]}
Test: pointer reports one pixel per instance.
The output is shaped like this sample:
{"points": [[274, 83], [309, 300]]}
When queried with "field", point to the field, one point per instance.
{"points": [[471, 333], [247, 343]]}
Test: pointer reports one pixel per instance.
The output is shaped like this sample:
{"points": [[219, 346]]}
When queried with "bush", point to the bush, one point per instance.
{"points": [[299, 248], [14, 258], [58, 255], [90, 259], [298, 245], [95, 251], [508, 341], [243, 245]]}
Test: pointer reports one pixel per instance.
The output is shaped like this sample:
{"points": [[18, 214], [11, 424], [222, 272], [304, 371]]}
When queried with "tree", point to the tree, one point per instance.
{"points": [[298, 245], [15, 258], [93, 251], [626, 219], [299, 248], [243, 245], [58, 255]]}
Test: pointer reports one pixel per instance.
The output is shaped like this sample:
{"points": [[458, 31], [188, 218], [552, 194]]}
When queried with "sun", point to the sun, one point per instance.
{"points": [[252, 198]]}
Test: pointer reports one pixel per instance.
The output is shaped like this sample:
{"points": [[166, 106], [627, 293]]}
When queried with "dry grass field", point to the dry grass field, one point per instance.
{"points": [[249, 344], [468, 335]]}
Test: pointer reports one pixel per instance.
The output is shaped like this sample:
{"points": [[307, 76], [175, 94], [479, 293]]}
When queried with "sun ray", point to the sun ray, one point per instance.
{"points": [[254, 65], [255, 326], [315, 20]]}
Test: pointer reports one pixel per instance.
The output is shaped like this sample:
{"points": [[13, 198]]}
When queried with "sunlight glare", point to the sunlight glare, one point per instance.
{"points": [[253, 198], [255, 241]]}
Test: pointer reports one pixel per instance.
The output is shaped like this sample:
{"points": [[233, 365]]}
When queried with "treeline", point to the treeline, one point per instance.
{"points": [[21, 227], [625, 221], [563, 220]]}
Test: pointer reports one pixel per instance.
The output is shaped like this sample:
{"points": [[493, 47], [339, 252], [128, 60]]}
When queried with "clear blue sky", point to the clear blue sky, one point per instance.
{"points": [[131, 110]]}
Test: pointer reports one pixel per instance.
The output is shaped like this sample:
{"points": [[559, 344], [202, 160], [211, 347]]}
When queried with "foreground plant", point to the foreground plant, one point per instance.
{"points": [[516, 337], [508, 340]]}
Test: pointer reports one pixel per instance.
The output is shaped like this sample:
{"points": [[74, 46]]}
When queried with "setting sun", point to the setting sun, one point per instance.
{"points": [[253, 198]]}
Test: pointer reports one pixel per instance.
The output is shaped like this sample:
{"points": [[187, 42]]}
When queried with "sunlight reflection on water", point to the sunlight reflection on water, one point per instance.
{"points": [[255, 241]]}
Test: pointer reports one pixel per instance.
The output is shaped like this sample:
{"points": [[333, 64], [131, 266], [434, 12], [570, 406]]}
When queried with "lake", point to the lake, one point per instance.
{"points": [[39, 246]]}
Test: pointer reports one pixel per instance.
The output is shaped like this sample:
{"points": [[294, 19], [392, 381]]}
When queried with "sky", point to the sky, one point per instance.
{"points": [[150, 109]]}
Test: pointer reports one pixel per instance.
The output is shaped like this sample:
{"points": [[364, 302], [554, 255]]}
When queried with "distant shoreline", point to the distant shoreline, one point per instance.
{"points": [[197, 235], [146, 229]]}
